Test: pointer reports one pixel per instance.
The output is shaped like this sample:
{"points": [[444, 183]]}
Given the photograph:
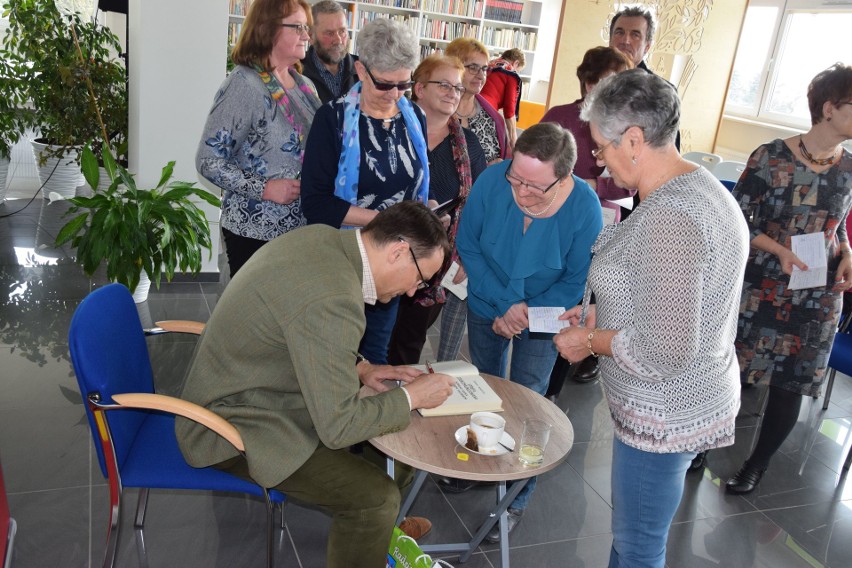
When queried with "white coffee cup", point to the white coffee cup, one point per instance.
{"points": [[488, 428]]}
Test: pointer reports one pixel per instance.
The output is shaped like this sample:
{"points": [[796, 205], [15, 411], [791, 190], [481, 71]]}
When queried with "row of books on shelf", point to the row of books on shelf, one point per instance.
{"points": [[234, 33], [467, 8], [508, 38], [239, 7], [410, 21], [504, 10], [447, 31], [407, 4]]}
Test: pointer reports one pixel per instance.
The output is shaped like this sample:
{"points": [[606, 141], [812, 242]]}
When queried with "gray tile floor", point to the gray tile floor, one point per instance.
{"points": [[801, 515]]}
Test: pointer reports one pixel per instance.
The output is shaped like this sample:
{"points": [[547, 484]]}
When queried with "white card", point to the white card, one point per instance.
{"points": [[546, 319]]}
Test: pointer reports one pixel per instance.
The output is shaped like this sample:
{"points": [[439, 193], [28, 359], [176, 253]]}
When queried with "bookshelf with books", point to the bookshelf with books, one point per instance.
{"points": [[499, 24]]}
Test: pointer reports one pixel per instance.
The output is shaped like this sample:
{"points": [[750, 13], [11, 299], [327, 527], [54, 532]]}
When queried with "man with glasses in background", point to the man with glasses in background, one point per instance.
{"points": [[328, 63]]}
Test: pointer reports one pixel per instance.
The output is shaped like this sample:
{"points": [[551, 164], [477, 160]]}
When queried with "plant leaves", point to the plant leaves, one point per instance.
{"points": [[89, 164]]}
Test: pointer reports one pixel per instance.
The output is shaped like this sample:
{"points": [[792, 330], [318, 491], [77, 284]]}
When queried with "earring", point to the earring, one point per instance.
{"points": [[828, 119], [634, 161]]}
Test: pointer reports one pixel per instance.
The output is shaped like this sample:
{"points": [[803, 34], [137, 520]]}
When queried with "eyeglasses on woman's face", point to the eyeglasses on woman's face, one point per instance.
{"points": [[301, 29], [448, 88], [597, 152], [385, 86], [517, 182], [475, 69]]}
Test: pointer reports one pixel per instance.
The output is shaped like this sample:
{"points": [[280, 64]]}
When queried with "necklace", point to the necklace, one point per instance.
{"points": [[472, 112], [546, 209], [809, 157]]}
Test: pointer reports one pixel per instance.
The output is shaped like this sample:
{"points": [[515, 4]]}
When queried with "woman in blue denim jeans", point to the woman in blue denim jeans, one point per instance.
{"points": [[667, 284]]}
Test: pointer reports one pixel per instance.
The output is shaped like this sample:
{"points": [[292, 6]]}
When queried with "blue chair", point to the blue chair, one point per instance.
{"points": [[730, 184], [133, 428]]}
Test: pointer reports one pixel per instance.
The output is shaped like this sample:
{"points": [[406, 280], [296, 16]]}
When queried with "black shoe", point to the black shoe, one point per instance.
{"points": [[586, 370], [698, 462], [514, 517], [745, 480], [453, 485]]}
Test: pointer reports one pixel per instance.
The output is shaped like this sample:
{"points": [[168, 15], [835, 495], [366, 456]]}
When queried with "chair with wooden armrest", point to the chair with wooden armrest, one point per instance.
{"points": [[133, 428]]}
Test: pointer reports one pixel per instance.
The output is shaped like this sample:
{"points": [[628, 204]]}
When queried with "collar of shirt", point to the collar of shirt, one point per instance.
{"points": [[332, 80], [368, 288]]}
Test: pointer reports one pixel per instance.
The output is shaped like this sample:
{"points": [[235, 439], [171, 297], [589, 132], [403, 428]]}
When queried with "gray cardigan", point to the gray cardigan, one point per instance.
{"points": [[246, 141]]}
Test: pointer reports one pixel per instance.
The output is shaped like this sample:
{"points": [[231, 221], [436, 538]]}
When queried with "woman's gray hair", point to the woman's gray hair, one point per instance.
{"points": [[549, 142], [386, 46], [634, 98]]}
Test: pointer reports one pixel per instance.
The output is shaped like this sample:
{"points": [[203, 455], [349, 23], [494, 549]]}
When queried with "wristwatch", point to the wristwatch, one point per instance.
{"points": [[359, 359]]}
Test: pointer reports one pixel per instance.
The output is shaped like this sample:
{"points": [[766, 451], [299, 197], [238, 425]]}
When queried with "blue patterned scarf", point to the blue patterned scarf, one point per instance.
{"points": [[346, 181]]}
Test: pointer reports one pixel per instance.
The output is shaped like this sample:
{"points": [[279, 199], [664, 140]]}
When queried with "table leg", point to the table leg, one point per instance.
{"points": [[419, 478], [504, 499]]}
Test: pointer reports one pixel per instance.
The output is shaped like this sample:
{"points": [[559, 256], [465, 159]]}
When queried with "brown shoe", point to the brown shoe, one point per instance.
{"points": [[416, 527]]}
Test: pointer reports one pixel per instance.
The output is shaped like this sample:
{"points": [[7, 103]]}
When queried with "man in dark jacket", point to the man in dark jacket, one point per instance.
{"points": [[327, 62]]}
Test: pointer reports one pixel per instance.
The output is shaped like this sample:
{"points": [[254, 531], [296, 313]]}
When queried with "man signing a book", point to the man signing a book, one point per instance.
{"points": [[278, 361]]}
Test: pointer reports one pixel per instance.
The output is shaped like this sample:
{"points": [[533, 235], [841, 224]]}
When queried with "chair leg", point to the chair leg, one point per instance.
{"points": [[270, 537], [114, 525], [848, 460], [141, 508], [828, 388]]}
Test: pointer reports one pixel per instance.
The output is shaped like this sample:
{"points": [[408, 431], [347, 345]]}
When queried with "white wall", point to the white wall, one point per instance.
{"points": [[177, 62]]}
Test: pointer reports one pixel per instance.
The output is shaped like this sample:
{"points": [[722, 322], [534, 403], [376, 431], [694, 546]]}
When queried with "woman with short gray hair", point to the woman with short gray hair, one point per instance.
{"points": [[667, 284], [385, 45], [383, 160]]}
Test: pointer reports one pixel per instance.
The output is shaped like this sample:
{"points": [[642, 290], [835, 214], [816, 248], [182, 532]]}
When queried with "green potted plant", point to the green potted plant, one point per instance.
{"points": [[71, 63], [14, 117], [137, 231]]}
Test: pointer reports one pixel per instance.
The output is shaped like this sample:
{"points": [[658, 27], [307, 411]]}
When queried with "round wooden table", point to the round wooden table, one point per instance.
{"points": [[429, 445]]}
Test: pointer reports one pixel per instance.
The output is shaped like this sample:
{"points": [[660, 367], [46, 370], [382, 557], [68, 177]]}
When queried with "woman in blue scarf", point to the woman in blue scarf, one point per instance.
{"points": [[367, 151]]}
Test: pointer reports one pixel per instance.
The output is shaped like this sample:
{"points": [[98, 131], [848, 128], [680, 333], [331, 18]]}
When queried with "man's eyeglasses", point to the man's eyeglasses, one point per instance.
{"points": [[301, 28], [448, 88], [383, 86], [342, 32], [515, 181], [423, 284], [475, 69]]}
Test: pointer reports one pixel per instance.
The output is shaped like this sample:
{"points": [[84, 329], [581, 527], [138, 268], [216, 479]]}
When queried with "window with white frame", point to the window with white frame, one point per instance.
{"points": [[783, 45]]}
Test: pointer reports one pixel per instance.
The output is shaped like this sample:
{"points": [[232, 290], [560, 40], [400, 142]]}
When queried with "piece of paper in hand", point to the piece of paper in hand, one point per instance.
{"points": [[459, 289], [810, 248], [546, 319]]}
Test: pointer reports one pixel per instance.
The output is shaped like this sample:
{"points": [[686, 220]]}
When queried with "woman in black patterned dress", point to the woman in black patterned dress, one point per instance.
{"points": [[794, 187]]}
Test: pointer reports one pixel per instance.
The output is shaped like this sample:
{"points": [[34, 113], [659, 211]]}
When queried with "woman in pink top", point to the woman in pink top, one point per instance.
{"points": [[598, 63]]}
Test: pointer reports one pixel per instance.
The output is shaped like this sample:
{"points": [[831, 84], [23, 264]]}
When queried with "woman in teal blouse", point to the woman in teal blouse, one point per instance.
{"points": [[525, 239]]}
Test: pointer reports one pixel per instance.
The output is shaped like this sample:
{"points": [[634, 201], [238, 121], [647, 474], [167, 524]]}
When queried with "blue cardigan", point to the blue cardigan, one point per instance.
{"points": [[546, 266]]}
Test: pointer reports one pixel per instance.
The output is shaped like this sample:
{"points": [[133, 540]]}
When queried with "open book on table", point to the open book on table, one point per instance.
{"points": [[471, 393]]}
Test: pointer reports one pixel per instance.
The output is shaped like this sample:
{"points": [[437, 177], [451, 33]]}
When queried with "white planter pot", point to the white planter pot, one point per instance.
{"points": [[140, 294], [4, 173], [61, 175]]}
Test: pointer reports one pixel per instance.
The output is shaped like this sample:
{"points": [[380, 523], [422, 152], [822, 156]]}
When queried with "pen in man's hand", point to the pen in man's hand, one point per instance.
{"points": [[429, 367]]}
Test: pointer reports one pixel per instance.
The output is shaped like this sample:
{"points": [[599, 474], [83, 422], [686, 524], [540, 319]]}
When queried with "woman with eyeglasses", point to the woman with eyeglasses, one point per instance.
{"points": [[790, 189], [367, 151], [525, 239], [253, 141], [455, 161], [667, 287], [474, 111]]}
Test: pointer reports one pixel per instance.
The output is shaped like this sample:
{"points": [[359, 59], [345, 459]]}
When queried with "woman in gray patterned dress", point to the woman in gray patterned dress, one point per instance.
{"points": [[794, 187], [666, 285], [253, 141]]}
